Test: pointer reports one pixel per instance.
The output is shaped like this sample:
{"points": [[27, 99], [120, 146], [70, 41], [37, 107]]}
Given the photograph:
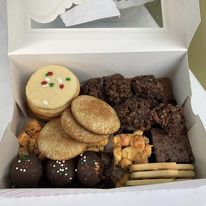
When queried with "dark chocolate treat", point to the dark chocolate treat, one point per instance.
{"points": [[89, 169], [147, 87], [112, 175], [166, 90], [26, 171], [106, 159], [117, 89], [93, 87], [171, 119], [135, 113], [60, 173], [171, 149]]}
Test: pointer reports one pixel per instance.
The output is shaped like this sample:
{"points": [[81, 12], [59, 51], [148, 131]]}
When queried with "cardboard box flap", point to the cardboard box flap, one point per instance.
{"points": [[183, 19], [176, 34]]}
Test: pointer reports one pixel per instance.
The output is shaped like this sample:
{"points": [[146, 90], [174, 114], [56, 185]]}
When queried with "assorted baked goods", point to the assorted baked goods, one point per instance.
{"points": [[117, 132]]}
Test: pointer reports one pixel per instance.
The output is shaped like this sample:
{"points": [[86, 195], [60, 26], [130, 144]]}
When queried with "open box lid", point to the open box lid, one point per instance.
{"points": [[180, 19]]}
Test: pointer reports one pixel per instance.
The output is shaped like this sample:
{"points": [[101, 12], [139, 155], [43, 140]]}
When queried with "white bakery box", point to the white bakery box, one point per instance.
{"points": [[91, 52]]}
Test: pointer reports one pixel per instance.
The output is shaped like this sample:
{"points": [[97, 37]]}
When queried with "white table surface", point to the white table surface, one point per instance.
{"points": [[6, 107]]}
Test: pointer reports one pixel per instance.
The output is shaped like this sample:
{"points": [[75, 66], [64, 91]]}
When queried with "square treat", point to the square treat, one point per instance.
{"points": [[171, 149]]}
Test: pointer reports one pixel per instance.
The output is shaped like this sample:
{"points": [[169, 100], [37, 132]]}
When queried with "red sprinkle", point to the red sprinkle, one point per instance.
{"points": [[49, 73], [44, 82], [61, 86]]}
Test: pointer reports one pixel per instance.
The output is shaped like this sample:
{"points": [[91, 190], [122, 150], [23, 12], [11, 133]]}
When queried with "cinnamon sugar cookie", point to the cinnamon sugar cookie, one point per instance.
{"points": [[76, 131], [55, 144], [95, 115]]}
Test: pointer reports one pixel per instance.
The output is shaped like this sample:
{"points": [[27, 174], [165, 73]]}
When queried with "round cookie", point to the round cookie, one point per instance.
{"points": [[51, 87], [55, 144], [95, 115], [77, 132], [49, 114]]}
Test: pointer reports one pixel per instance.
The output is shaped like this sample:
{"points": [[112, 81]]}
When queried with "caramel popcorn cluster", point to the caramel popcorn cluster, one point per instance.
{"points": [[28, 138], [131, 149]]}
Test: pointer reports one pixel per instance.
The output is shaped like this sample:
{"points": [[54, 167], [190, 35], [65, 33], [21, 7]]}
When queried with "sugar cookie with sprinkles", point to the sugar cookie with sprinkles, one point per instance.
{"points": [[50, 90]]}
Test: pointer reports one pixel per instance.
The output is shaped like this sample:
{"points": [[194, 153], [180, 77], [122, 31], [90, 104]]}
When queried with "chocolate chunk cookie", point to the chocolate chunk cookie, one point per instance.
{"points": [[117, 89], [135, 114]]}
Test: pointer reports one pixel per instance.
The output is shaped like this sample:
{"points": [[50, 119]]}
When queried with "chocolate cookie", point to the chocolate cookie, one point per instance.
{"points": [[93, 87], [135, 114], [148, 87], [117, 89]]}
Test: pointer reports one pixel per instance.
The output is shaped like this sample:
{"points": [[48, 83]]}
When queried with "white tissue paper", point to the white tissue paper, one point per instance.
{"points": [[90, 11]]}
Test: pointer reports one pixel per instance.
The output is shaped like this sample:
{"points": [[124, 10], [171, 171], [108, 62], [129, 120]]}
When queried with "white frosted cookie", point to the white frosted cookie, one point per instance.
{"points": [[51, 87]]}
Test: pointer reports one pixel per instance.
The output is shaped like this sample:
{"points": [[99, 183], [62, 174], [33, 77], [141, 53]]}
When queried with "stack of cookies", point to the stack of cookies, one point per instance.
{"points": [[50, 91], [153, 173], [86, 125]]}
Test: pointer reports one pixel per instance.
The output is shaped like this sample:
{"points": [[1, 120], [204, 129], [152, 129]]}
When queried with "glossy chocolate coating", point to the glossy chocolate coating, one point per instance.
{"points": [[26, 171], [89, 169], [60, 173]]}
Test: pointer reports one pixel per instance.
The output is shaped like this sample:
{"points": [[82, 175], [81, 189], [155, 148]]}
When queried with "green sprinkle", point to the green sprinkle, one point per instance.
{"points": [[68, 79], [51, 84]]}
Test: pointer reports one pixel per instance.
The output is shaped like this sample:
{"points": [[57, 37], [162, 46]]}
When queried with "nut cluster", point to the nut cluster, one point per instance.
{"points": [[131, 149], [28, 138]]}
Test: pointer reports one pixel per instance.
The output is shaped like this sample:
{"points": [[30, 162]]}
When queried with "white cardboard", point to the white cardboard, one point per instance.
{"points": [[4, 71], [5, 91], [175, 35], [147, 198]]}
